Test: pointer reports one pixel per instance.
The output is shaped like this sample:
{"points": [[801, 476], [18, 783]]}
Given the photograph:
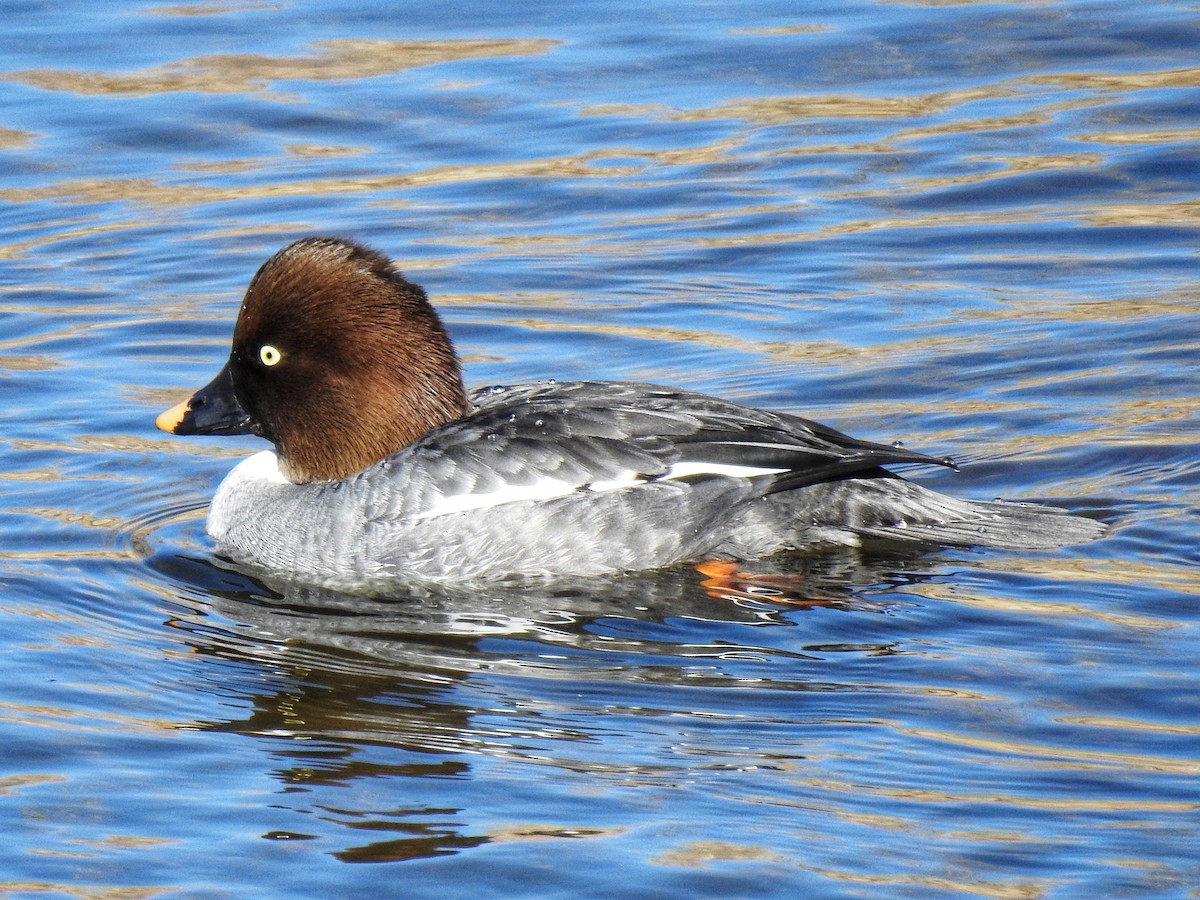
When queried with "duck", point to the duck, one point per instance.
{"points": [[383, 466]]}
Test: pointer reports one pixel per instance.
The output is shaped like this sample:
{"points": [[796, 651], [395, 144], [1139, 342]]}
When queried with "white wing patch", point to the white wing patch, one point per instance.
{"points": [[552, 488], [546, 489], [628, 478], [685, 469]]}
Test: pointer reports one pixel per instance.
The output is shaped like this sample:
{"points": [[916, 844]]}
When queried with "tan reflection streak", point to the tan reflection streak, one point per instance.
{"points": [[341, 59], [980, 600], [11, 783], [121, 443], [1127, 572], [146, 191], [29, 714], [1184, 213], [56, 233], [1009, 167], [900, 824], [969, 126], [1125, 81], [59, 889], [926, 795], [128, 841], [633, 110], [998, 890], [12, 139], [324, 150], [29, 363], [698, 854], [720, 215], [130, 443], [1070, 755], [938, 4], [1120, 138], [1128, 724], [39, 475], [1033, 305], [782, 109], [239, 166], [69, 331], [790, 108], [211, 9], [536, 832], [782, 29], [61, 555], [787, 350], [68, 517]]}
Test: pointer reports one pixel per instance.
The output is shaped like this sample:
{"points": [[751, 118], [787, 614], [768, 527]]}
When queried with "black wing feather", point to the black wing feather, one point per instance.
{"points": [[588, 431]]}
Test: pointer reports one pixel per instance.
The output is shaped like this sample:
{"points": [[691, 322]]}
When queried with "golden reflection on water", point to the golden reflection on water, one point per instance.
{"points": [[64, 230], [782, 30], [10, 784], [151, 192], [548, 832], [1015, 754], [29, 362], [783, 109], [1133, 573], [1128, 724], [1111, 82], [1069, 804], [12, 139], [781, 350], [72, 517], [698, 854], [975, 597], [216, 8], [1152, 136], [999, 890], [305, 151], [72, 719], [231, 73], [1183, 214]]}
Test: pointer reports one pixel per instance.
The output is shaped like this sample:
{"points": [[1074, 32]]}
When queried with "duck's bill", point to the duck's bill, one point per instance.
{"points": [[214, 409]]}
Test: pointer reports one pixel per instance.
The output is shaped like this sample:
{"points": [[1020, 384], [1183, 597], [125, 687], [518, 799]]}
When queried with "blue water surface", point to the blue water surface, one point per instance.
{"points": [[969, 226]]}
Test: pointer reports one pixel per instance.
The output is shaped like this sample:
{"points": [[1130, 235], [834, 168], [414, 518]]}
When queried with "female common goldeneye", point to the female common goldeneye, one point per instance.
{"points": [[385, 466]]}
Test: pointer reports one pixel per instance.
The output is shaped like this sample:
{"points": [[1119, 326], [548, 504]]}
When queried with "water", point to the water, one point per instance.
{"points": [[971, 227]]}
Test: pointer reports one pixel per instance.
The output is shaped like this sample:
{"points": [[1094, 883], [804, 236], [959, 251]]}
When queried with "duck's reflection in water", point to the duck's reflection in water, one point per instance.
{"points": [[423, 682]]}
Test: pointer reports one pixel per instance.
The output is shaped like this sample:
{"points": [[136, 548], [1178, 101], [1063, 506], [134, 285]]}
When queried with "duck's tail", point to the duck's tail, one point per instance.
{"points": [[891, 508]]}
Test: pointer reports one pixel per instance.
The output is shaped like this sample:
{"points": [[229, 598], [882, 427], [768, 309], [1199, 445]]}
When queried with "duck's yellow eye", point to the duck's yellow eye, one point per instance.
{"points": [[269, 356]]}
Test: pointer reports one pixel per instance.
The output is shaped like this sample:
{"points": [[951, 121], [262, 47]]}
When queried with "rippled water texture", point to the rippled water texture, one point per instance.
{"points": [[969, 226]]}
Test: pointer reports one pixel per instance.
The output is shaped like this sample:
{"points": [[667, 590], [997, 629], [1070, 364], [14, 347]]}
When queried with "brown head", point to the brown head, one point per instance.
{"points": [[337, 359]]}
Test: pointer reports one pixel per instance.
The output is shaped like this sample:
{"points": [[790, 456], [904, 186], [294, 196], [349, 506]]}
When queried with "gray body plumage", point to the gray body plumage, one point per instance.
{"points": [[591, 478]]}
